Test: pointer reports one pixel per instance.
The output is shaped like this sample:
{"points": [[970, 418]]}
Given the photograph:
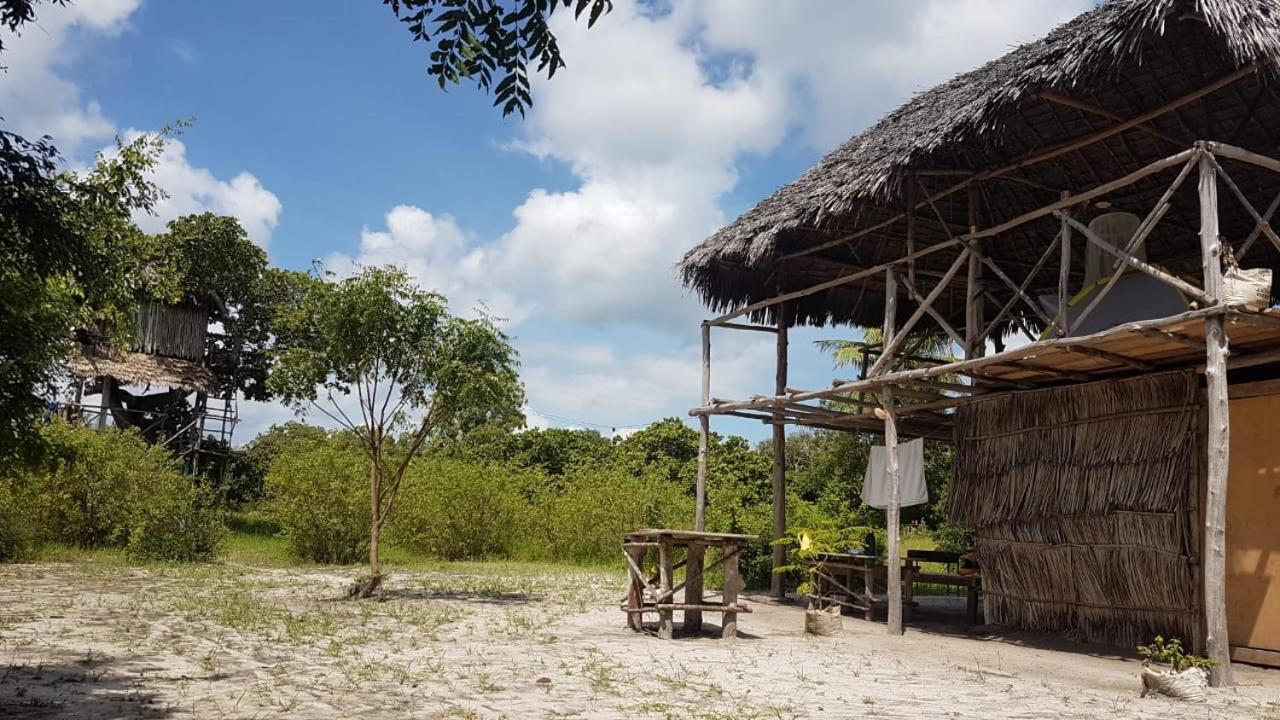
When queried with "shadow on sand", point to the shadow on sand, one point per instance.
{"points": [[91, 687]]}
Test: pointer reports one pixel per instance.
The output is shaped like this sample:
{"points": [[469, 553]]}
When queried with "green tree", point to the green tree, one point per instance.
{"points": [[487, 40], [411, 365], [68, 255]]}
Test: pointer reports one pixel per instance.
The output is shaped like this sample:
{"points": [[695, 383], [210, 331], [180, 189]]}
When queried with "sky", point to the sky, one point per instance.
{"points": [[317, 126]]}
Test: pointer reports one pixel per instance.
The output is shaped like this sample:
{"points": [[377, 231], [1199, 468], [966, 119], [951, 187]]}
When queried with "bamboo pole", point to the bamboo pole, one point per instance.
{"points": [[1218, 440], [704, 435], [777, 583]]}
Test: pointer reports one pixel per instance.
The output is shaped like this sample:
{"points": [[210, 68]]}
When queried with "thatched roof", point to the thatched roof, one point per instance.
{"points": [[140, 369], [1126, 57]]}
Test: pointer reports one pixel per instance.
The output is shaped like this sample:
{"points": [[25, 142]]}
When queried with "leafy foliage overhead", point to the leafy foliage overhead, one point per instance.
{"points": [[488, 40]]}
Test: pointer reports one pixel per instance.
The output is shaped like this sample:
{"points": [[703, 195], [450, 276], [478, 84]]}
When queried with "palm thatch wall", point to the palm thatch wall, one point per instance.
{"points": [[171, 331], [1082, 501]]}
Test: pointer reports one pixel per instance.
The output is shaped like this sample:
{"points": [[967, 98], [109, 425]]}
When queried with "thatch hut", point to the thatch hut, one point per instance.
{"points": [[1087, 190], [168, 352]]}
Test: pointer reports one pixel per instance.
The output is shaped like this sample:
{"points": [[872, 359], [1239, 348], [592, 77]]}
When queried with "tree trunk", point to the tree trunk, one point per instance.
{"points": [[367, 586]]}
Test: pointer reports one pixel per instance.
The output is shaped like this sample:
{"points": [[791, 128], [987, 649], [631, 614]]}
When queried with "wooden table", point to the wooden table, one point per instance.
{"points": [[657, 593], [972, 583]]}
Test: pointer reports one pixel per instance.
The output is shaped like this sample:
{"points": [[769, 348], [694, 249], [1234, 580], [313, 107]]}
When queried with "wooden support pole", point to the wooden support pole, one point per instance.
{"points": [[704, 435], [693, 570], [732, 586], [108, 388], [1064, 273], [1218, 441], [973, 316], [893, 513], [777, 583], [890, 333], [666, 561], [891, 344]]}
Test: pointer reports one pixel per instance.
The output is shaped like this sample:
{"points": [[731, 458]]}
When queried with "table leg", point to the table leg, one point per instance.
{"points": [[666, 559], [694, 563], [869, 581], [908, 590], [971, 605], [635, 588], [732, 585]]}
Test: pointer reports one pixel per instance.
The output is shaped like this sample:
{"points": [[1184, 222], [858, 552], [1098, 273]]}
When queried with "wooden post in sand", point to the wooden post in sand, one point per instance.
{"points": [[1218, 441], [777, 583]]}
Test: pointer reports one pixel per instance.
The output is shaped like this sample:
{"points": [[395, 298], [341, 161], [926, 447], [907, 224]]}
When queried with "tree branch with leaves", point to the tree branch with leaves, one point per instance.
{"points": [[411, 368]]}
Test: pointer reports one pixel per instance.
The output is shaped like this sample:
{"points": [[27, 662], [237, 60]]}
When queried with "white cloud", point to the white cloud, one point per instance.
{"points": [[848, 62], [652, 115], [36, 98], [192, 190]]}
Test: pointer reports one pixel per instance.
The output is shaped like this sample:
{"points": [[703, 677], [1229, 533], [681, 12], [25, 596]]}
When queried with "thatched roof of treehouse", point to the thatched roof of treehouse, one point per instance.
{"points": [[134, 368], [1125, 57]]}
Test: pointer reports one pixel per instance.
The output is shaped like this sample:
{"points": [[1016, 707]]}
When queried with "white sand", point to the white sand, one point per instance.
{"points": [[104, 641]]}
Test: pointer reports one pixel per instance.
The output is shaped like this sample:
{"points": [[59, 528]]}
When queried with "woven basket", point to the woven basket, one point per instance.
{"points": [[823, 622], [1186, 685]]}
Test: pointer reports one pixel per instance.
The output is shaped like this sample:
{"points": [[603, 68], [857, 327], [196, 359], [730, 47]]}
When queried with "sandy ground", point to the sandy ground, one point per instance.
{"points": [[104, 641]]}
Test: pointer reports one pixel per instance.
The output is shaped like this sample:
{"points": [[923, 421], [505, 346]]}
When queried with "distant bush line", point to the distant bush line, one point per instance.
{"points": [[542, 495]]}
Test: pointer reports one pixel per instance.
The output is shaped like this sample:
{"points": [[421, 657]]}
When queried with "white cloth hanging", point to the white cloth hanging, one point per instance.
{"points": [[875, 485]]}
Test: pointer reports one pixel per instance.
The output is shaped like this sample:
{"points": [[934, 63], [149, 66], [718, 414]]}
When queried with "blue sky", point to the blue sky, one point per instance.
{"points": [[318, 127]]}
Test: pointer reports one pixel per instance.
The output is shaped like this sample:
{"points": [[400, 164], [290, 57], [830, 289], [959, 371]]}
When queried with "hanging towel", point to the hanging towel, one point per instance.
{"points": [[875, 485]]}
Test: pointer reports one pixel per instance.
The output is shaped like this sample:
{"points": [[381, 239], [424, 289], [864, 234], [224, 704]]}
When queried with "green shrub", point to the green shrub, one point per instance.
{"points": [[953, 538], [319, 494], [18, 541], [177, 522], [86, 490], [585, 522], [457, 510], [109, 488]]}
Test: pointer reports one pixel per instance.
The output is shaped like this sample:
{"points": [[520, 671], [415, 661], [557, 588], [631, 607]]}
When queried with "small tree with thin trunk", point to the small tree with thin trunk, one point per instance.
{"points": [[414, 370]]}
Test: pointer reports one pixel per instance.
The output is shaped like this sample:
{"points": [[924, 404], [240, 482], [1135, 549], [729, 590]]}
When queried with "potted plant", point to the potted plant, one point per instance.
{"points": [[1167, 669], [812, 549]]}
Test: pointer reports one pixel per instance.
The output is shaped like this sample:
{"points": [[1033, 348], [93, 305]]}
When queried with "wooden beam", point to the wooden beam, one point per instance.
{"points": [[1219, 438], [704, 434], [965, 367], [973, 301], [1139, 237], [836, 282], [1172, 337], [1083, 106], [1257, 231], [1117, 358], [1260, 224], [933, 312], [777, 582], [1064, 272], [740, 326], [1022, 289], [891, 346], [1157, 273]]}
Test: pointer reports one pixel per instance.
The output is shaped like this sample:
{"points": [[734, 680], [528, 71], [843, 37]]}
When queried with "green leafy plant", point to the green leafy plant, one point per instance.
{"points": [[811, 550], [1169, 652], [318, 492]]}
